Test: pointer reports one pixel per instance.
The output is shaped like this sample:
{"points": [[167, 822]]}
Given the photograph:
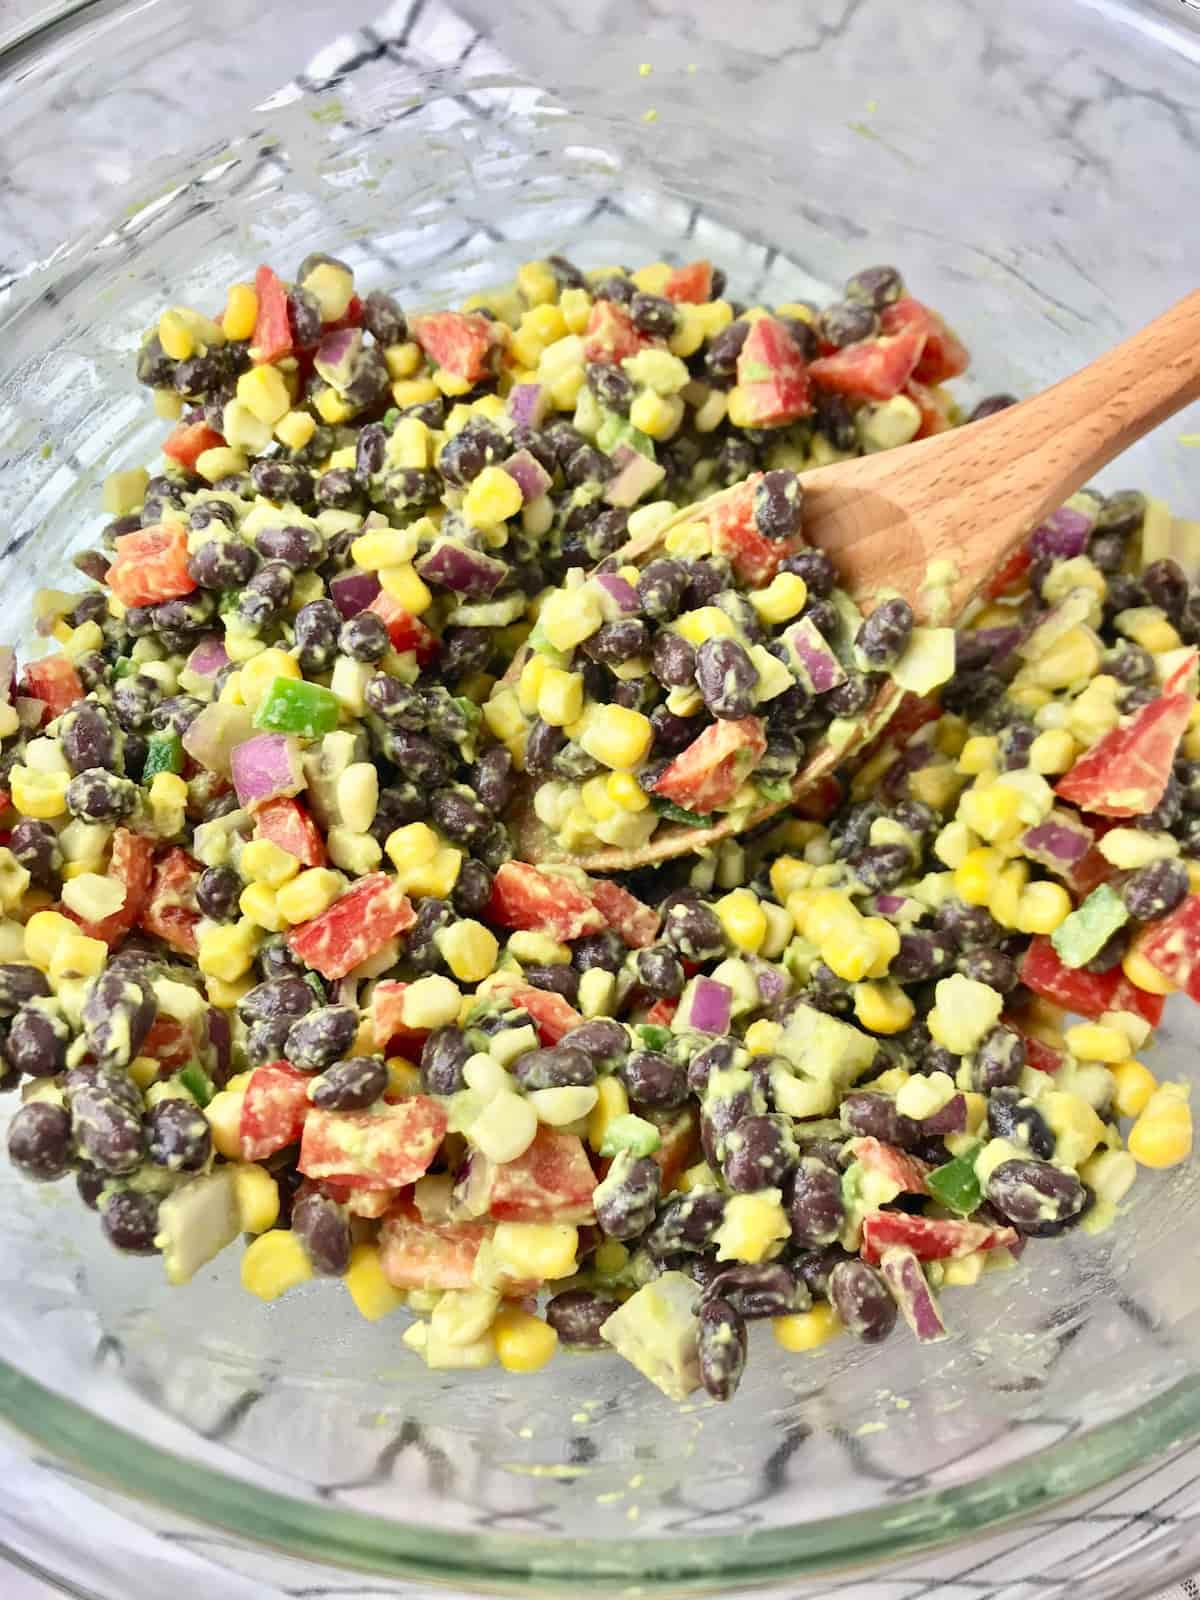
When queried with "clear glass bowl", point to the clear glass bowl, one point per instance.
{"points": [[1021, 163]]}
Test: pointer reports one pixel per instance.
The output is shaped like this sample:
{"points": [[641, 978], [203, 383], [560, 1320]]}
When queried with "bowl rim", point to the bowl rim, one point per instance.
{"points": [[112, 1458]]}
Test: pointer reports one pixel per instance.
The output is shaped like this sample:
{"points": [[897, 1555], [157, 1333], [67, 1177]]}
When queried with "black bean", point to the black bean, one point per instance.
{"points": [[882, 866], [423, 952], [815, 567], [134, 698], [653, 314], [176, 714], [760, 1152], [920, 957], [1107, 552], [266, 1040], [294, 546], [994, 967], [686, 1223], [478, 445], [383, 319], [350, 1085], [89, 1183], [813, 1267], [106, 1125], [722, 1348], [886, 632], [283, 480], [1129, 663], [304, 317], [659, 972], [88, 738], [472, 889], [626, 1199], [1165, 582], [1166, 812], [557, 1068], [605, 1043], [35, 845], [739, 1094], [967, 926], [769, 1289], [816, 1209], [323, 1227], [991, 405], [39, 1141], [674, 662], [419, 759], [778, 504], [370, 451], [129, 1219], [117, 1015], [1154, 890], [693, 929], [322, 1037], [999, 1060], [38, 1039], [716, 1056], [577, 1316], [846, 323], [1015, 743], [705, 580], [653, 1079], [278, 997], [1122, 512], [222, 563], [556, 977], [265, 596], [217, 892], [1039, 1200], [861, 1298], [604, 950], [616, 642], [179, 1136], [443, 1056], [1110, 952], [874, 1116], [727, 678], [99, 796], [721, 356], [875, 286], [1013, 1116], [543, 744], [611, 387]]}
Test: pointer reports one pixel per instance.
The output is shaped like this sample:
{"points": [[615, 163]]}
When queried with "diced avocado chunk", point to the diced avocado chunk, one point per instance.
{"points": [[1089, 927], [196, 1222], [927, 661], [657, 1330], [615, 430], [632, 1134], [823, 1047]]}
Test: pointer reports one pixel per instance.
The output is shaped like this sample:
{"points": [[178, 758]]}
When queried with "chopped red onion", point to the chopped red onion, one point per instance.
{"points": [[352, 592], [266, 766], [906, 1279], [468, 572], [528, 474]]}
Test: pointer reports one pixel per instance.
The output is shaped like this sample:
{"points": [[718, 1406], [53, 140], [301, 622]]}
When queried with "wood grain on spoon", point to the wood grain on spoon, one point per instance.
{"points": [[968, 497]]}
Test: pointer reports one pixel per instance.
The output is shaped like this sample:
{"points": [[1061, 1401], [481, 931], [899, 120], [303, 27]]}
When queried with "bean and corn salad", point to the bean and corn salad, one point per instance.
{"points": [[273, 975]]}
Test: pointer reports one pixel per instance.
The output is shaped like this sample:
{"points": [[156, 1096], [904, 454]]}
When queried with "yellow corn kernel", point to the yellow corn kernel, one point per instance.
{"points": [[807, 1330], [77, 957], [258, 903], [708, 622], [1193, 872], [560, 697], [762, 1037], [597, 801], [979, 754], [241, 311], [231, 692], [653, 278], [743, 920], [419, 870], [1148, 626], [625, 791], [849, 952], [886, 939], [406, 585], [993, 812], [537, 283], [524, 1343], [228, 952], [546, 322], [950, 734], [333, 407], [527, 1251], [404, 1077], [226, 995], [1042, 907], [262, 861], [308, 894], [374, 1297], [691, 329], [752, 1225], [223, 1114], [431, 1002], [167, 404], [39, 794], [43, 932], [274, 1263], [220, 462], [1139, 971], [263, 392], [882, 1007], [175, 336], [384, 547], [1092, 1041], [1052, 752], [1135, 1083], [1005, 898], [295, 429], [1162, 1134], [783, 598], [691, 539], [144, 1071], [493, 497], [469, 950], [414, 391], [657, 414], [612, 1103], [410, 444], [977, 874], [576, 307], [529, 684], [789, 873], [257, 1196], [616, 736]]}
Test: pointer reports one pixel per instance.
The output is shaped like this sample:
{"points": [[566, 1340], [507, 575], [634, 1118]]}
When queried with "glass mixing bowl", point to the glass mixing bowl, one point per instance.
{"points": [[1021, 163]]}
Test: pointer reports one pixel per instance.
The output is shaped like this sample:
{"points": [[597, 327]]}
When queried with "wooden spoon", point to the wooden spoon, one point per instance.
{"points": [[968, 497]]}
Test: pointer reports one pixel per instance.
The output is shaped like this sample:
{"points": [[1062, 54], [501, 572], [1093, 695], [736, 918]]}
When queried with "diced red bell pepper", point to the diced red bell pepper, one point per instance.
{"points": [[1125, 773], [272, 330], [287, 824], [625, 914], [714, 766], [735, 536], [552, 1015], [151, 565], [54, 681], [387, 1022], [935, 406], [1012, 573], [929, 1239], [190, 440], [387, 1148], [170, 1042], [1089, 874], [690, 285], [611, 336], [460, 342], [873, 369], [680, 1135], [429, 1255], [528, 898], [1039, 1055], [359, 923], [404, 630], [274, 1109], [132, 863], [819, 800], [552, 1182], [906, 1172], [1172, 946], [944, 355], [772, 377], [170, 911], [1088, 994], [661, 1012]]}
